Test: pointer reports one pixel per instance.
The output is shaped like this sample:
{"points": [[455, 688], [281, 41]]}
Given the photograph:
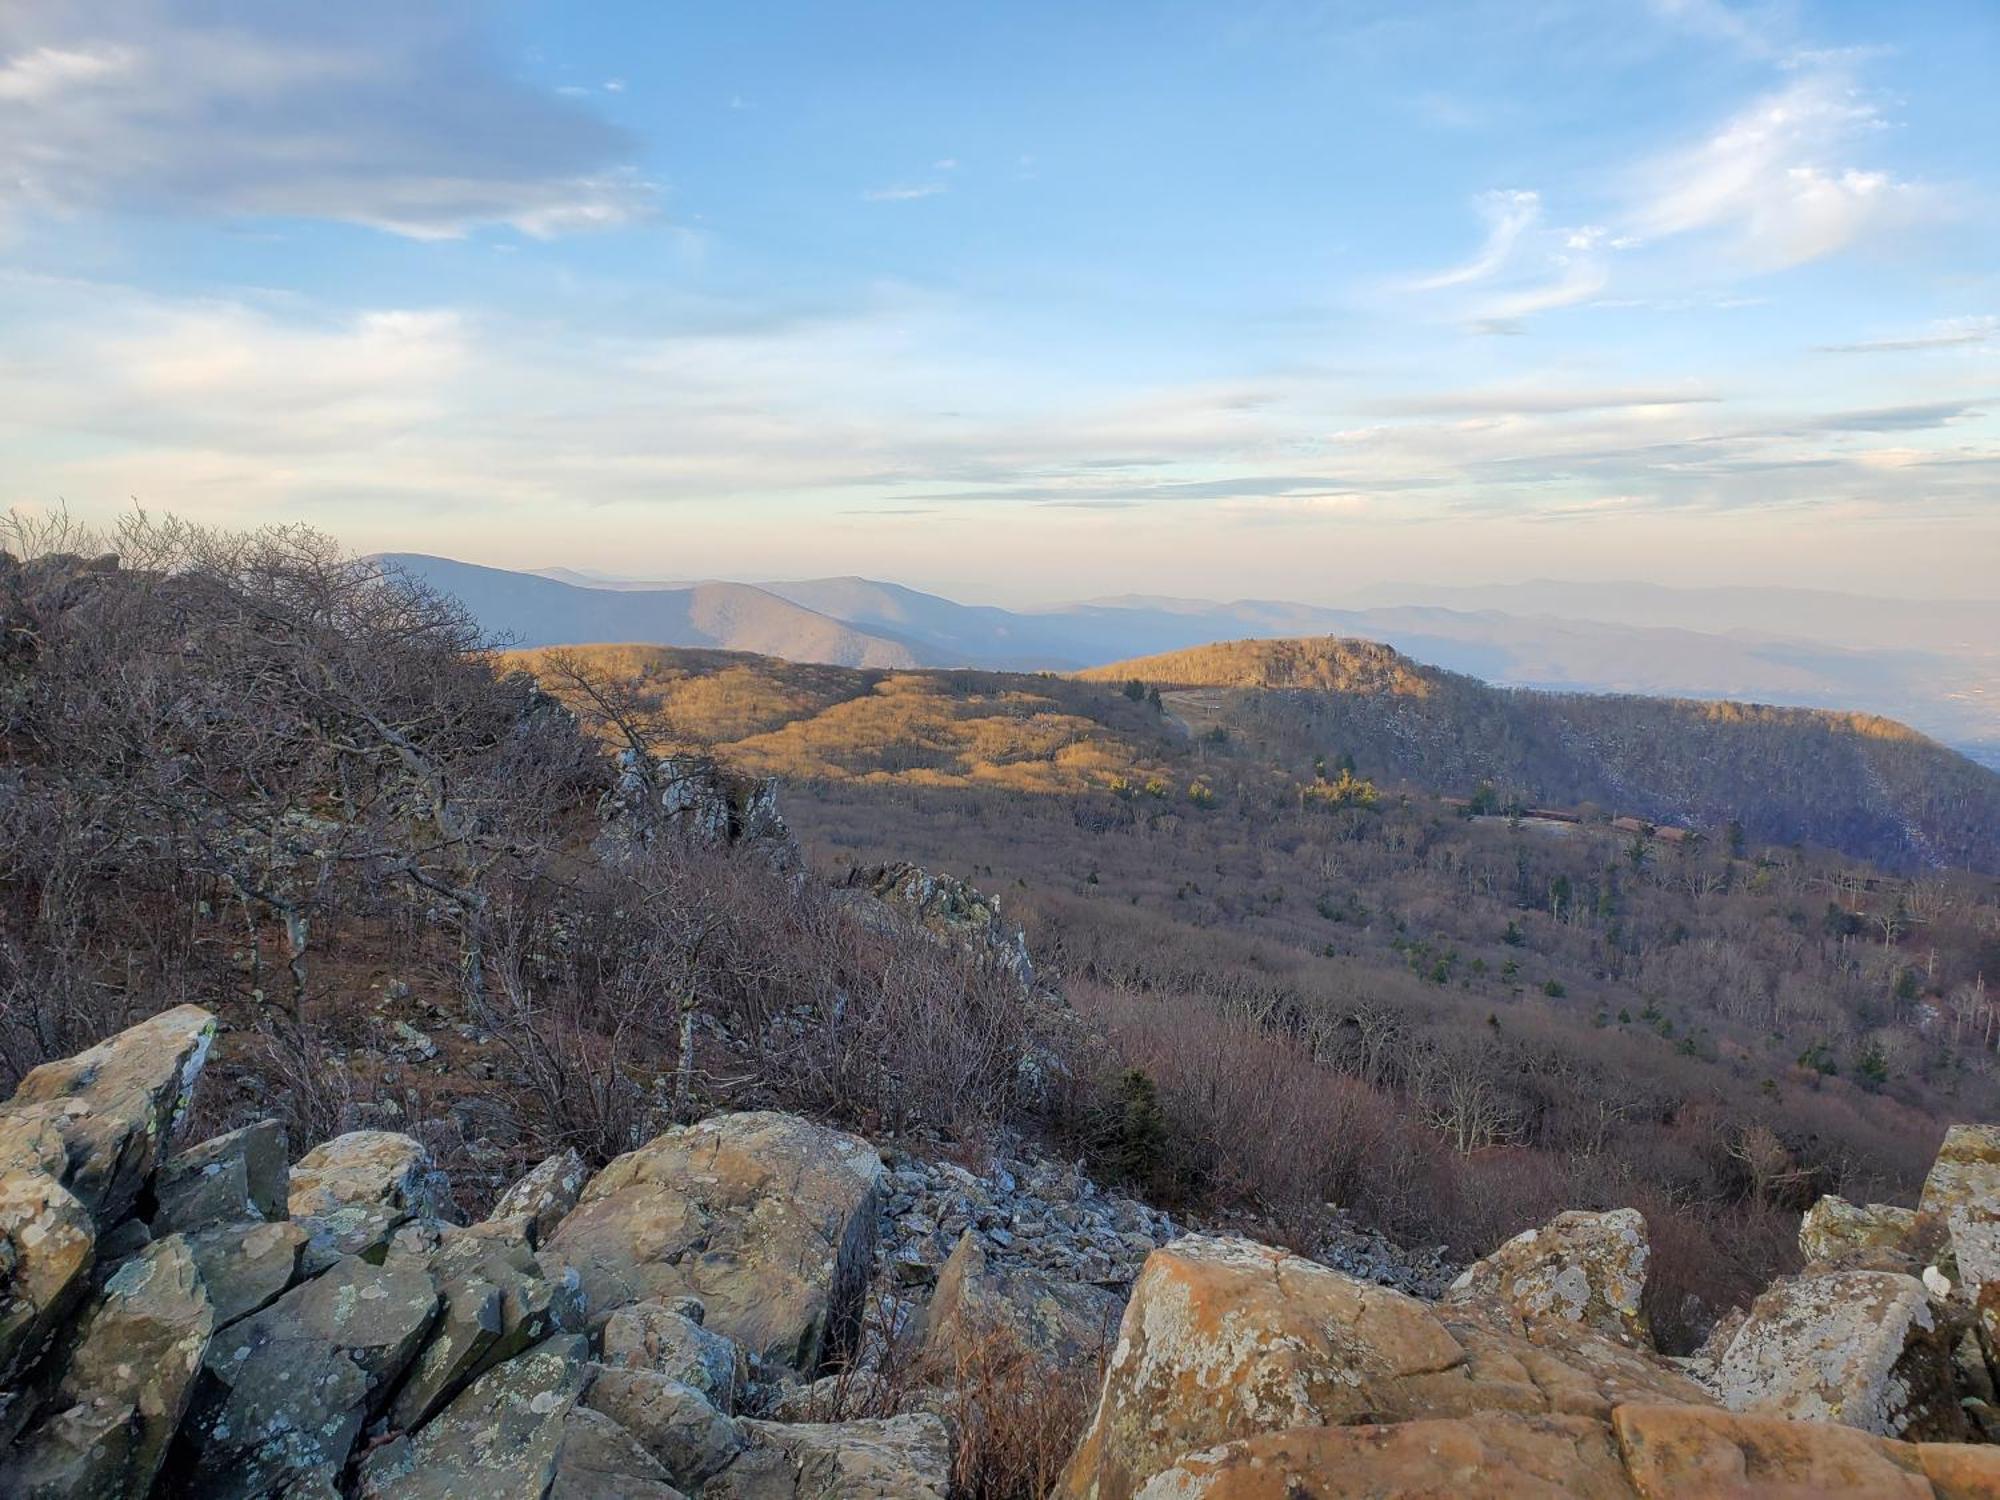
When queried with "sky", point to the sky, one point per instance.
{"points": [[1022, 302]]}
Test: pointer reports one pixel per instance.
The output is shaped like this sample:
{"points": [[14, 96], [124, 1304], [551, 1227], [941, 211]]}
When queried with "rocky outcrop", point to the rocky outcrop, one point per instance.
{"points": [[1580, 1268], [693, 798], [193, 1323], [950, 910], [1863, 1348], [768, 1220]]}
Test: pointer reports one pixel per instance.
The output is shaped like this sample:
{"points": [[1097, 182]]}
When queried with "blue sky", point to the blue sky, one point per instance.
{"points": [[1022, 301]]}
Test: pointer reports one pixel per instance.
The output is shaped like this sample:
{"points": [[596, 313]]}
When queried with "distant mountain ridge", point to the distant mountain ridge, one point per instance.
{"points": [[1953, 695], [1853, 781]]}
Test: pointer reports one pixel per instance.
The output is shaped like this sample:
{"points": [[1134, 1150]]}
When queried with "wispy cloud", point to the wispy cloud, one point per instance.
{"points": [[904, 192], [1954, 333], [1775, 178], [373, 112], [1509, 214]]}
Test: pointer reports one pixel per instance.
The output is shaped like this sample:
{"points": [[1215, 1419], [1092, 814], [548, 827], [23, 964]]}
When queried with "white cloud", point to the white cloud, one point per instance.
{"points": [[371, 112], [1952, 333], [1770, 177], [904, 192], [1508, 214]]}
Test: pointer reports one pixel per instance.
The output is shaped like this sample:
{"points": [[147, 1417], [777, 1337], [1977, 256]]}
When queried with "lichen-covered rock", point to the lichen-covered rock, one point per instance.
{"points": [[1674, 1451], [951, 910], [496, 1302], [124, 1386], [1520, 1457], [891, 1458], [246, 1266], [286, 1390], [596, 1459], [229, 1179], [1963, 1189], [768, 1219], [676, 1423], [1066, 1323], [353, 1192], [1587, 1269], [47, 1244], [501, 1437], [1866, 1349], [652, 1336], [543, 1195], [114, 1106], [1226, 1339]]}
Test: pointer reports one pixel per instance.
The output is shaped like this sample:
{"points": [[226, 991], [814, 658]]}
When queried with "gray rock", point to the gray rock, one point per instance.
{"points": [[651, 1336], [496, 1303], [246, 1266], [229, 1179], [597, 1459], [893, 1458], [287, 1389], [353, 1192], [769, 1219], [125, 1385], [501, 1438], [676, 1423], [544, 1194]]}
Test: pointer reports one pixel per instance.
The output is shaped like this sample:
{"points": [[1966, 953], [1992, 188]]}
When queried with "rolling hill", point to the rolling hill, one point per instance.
{"points": [[1927, 666], [1261, 714]]}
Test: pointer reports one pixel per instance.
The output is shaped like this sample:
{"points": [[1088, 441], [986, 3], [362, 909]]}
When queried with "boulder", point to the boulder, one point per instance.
{"points": [[1866, 1349], [47, 1244], [113, 1107], [246, 1266], [495, 1303], [501, 1437], [1963, 1189], [230, 1179], [1672, 1451], [353, 1192], [286, 1390], [1064, 1322], [652, 1336], [125, 1385], [596, 1459], [890, 1458], [1225, 1340], [543, 1195], [1523, 1458], [768, 1219], [1581, 1268], [676, 1423]]}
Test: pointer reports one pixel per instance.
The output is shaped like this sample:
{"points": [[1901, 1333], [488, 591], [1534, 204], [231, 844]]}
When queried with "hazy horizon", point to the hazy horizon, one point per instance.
{"points": [[1027, 306]]}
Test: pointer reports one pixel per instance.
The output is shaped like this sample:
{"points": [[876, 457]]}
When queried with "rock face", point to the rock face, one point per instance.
{"points": [[691, 797], [1963, 1189], [951, 910], [125, 1385], [1580, 1268], [352, 1193], [198, 1323], [1862, 1348], [768, 1220]]}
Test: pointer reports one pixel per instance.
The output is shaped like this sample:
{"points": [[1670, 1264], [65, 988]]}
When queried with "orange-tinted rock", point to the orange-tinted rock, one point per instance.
{"points": [[1683, 1452]]}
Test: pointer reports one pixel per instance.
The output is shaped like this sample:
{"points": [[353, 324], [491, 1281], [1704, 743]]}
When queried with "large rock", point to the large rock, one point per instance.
{"points": [[47, 1245], [1674, 1451], [653, 1336], [676, 1423], [1587, 1269], [1226, 1340], [353, 1192], [229, 1179], [496, 1302], [1064, 1322], [125, 1386], [114, 1107], [1964, 1188], [1522, 1458], [543, 1195], [890, 1458], [769, 1220], [246, 1266], [286, 1390], [505, 1436], [1862, 1348]]}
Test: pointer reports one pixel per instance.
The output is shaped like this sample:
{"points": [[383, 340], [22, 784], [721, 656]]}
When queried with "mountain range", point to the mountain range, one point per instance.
{"points": [[1932, 665]]}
